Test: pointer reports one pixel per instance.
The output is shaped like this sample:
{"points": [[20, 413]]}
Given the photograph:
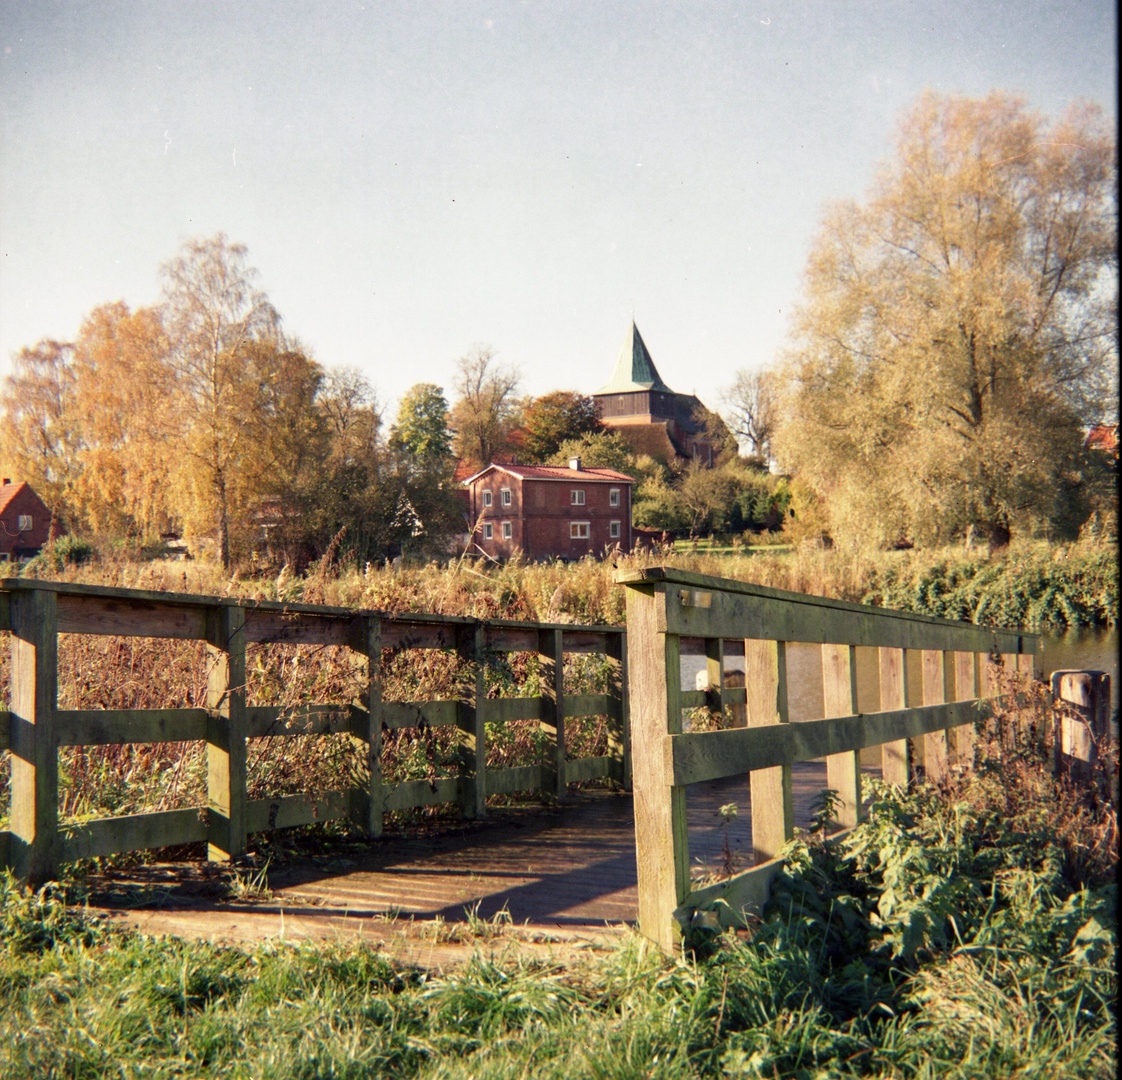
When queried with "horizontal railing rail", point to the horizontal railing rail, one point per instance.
{"points": [[34, 728], [949, 688]]}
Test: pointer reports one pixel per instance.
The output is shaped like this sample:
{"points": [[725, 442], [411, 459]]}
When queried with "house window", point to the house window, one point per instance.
{"points": [[613, 530], [613, 497], [576, 497], [24, 523], [578, 530], [488, 531], [506, 497], [486, 500], [508, 530]]}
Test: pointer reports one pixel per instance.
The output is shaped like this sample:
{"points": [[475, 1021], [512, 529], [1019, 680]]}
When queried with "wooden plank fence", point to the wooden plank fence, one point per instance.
{"points": [[666, 606], [36, 612]]}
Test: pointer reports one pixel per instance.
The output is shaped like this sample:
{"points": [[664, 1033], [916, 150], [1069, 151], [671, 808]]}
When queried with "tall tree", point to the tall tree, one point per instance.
{"points": [[484, 411], [750, 410], [40, 441], [123, 405], [421, 427], [213, 314], [554, 418], [958, 326]]}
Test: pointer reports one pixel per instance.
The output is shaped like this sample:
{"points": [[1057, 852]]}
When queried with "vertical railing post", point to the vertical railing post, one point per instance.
{"points": [[934, 693], [839, 695], [551, 659], [619, 737], [472, 725], [661, 837], [773, 812], [894, 764], [33, 699], [715, 674], [964, 687], [369, 804], [226, 732]]}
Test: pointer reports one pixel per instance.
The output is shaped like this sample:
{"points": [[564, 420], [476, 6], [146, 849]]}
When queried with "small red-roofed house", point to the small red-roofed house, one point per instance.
{"points": [[25, 521], [545, 511]]}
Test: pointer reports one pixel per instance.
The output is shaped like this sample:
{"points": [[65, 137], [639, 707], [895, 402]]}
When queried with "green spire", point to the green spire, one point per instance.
{"points": [[634, 368]]}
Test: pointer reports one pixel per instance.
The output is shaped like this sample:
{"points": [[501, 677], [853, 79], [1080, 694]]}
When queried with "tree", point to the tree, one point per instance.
{"points": [[124, 391], [483, 413], [598, 450], [958, 327], [421, 428], [213, 314], [39, 439], [554, 418], [750, 410]]}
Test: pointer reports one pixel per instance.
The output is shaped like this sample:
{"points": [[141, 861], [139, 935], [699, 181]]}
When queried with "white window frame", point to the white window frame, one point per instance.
{"points": [[613, 497], [508, 531], [507, 499], [488, 531], [580, 530], [576, 497], [614, 530], [487, 500], [24, 523]]}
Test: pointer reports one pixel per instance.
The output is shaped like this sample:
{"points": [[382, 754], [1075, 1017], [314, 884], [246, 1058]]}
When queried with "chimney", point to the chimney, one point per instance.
{"points": [[6, 482], [574, 463]]}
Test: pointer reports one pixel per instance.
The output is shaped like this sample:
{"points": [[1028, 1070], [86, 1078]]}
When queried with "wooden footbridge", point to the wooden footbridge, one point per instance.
{"points": [[591, 857]]}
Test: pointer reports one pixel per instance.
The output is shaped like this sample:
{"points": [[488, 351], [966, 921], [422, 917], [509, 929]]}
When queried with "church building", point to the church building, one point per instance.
{"points": [[652, 418]]}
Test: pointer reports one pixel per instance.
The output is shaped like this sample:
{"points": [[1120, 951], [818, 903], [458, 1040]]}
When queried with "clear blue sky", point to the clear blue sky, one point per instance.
{"points": [[411, 178]]}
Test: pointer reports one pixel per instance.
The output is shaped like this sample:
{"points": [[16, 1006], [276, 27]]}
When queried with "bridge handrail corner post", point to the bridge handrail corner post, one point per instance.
{"points": [[227, 778], [32, 702], [551, 663], [369, 804], [471, 645]]}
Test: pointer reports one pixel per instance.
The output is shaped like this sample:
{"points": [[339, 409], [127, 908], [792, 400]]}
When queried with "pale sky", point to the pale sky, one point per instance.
{"points": [[413, 178]]}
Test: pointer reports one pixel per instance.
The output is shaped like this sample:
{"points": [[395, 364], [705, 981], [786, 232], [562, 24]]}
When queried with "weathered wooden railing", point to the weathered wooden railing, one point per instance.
{"points": [[665, 606], [34, 728]]}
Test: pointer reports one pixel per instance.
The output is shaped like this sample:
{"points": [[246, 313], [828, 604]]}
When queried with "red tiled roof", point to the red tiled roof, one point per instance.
{"points": [[1103, 437], [557, 472], [8, 492]]}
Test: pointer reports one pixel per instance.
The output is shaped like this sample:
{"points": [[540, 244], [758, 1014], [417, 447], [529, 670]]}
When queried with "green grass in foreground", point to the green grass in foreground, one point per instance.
{"points": [[956, 937]]}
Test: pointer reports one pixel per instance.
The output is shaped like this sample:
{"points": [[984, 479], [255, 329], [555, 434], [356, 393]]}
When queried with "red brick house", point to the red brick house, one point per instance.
{"points": [[25, 521], [544, 511]]}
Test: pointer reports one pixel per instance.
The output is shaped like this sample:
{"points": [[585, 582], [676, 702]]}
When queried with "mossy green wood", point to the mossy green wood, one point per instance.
{"points": [[290, 811], [661, 838], [226, 732], [367, 806], [711, 755], [32, 700], [773, 812], [619, 738], [134, 832], [738, 609], [118, 727]]}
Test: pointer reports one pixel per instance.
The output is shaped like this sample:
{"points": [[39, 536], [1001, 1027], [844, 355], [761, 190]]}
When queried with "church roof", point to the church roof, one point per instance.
{"points": [[634, 368]]}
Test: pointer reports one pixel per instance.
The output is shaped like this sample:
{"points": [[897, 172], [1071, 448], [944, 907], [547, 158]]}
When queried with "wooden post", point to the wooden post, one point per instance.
{"points": [[661, 839], [226, 732], [619, 737], [1081, 700], [473, 752], [715, 674], [964, 687], [551, 658], [368, 811], [34, 754], [773, 811], [934, 693], [839, 694], [894, 764]]}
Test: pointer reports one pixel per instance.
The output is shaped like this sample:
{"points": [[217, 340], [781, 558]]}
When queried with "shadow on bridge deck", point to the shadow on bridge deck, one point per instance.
{"points": [[564, 875]]}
